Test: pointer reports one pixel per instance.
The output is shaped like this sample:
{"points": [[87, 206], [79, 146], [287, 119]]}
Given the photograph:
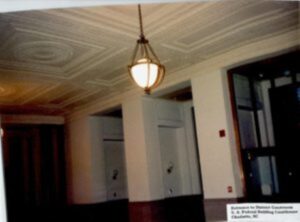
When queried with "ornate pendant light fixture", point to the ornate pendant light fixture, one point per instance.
{"points": [[145, 68]]}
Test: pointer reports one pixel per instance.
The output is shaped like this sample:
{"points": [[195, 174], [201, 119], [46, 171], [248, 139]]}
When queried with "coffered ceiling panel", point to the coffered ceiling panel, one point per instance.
{"points": [[56, 61]]}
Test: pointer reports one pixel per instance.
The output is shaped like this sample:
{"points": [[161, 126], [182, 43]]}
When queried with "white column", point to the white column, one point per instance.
{"points": [[80, 188], [135, 151], [87, 179], [218, 156], [142, 154]]}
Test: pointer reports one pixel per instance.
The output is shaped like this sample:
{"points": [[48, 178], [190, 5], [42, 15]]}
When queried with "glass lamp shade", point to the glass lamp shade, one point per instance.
{"points": [[146, 74]]}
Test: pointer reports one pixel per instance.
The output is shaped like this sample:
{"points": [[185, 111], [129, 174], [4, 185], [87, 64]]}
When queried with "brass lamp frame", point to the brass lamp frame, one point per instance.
{"points": [[143, 50]]}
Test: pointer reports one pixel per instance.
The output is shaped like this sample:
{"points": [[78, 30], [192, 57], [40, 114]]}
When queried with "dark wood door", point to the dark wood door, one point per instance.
{"points": [[285, 104]]}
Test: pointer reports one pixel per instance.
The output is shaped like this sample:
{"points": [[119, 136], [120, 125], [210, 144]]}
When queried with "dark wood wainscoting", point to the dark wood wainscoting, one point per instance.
{"points": [[149, 211], [113, 211], [215, 209], [177, 209]]}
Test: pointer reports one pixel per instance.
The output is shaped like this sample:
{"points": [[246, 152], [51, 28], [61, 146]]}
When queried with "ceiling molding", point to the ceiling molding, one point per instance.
{"points": [[243, 55], [58, 61], [32, 119], [18, 5]]}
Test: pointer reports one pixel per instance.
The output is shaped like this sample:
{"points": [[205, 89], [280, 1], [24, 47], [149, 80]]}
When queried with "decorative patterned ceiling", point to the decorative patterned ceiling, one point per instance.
{"points": [[55, 61]]}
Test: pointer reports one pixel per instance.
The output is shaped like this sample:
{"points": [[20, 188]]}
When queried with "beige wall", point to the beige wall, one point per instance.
{"points": [[219, 165], [98, 167], [135, 152], [87, 166], [147, 178], [80, 185], [191, 144]]}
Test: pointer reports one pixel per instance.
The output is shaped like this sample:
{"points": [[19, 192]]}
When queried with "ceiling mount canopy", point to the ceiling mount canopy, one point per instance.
{"points": [[145, 68]]}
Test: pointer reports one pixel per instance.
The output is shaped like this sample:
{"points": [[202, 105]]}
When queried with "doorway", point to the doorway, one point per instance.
{"points": [[179, 156], [266, 102], [111, 145]]}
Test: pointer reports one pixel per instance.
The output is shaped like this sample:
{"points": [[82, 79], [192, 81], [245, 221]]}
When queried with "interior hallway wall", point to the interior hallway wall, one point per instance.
{"points": [[212, 108], [218, 156], [79, 162], [144, 118], [149, 124], [87, 162]]}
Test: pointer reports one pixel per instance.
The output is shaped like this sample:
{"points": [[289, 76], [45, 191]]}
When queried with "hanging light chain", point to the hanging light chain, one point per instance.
{"points": [[141, 22]]}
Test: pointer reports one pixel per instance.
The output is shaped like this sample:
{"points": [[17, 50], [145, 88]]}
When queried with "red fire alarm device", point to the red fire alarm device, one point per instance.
{"points": [[229, 189], [222, 133]]}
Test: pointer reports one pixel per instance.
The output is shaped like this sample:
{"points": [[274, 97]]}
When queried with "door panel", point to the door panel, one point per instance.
{"points": [[116, 181], [170, 163]]}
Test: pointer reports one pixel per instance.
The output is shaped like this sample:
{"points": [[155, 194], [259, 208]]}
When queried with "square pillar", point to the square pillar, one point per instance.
{"points": [[217, 148]]}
